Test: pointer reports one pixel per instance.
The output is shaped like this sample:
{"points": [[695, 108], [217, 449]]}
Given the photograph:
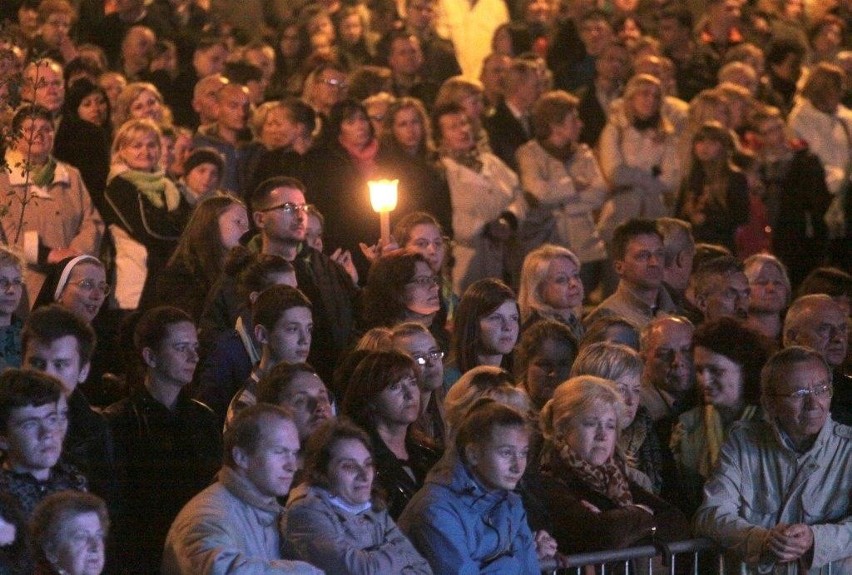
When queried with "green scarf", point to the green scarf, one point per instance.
{"points": [[42, 176], [156, 187]]}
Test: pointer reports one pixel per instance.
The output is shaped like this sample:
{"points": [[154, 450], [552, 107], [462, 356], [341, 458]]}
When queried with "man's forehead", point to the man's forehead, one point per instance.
{"points": [[803, 374], [288, 194], [38, 410], [669, 333], [64, 347]]}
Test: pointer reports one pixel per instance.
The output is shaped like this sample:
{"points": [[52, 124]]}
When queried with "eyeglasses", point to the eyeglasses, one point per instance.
{"points": [[89, 286], [6, 283], [288, 208], [423, 358], [801, 394], [426, 281], [335, 83]]}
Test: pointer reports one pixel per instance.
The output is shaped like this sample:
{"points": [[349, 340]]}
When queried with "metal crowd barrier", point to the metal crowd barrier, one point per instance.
{"points": [[702, 556], [647, 559]]}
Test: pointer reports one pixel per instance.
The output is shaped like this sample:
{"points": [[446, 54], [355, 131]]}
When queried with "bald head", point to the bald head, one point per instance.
{"points": [[818, 322]]}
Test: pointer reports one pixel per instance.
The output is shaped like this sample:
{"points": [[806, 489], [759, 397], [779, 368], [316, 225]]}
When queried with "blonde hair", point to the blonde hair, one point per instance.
{"points": [[376, 339], [261, 113], [456, 89], [484, 381], [756, 262], [572, 399], [608, 360], [125, 99], [132, 129], [534, 273]]}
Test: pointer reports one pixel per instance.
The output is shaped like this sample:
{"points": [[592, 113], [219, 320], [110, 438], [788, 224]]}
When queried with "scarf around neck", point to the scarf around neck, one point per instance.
{"points": [[713, 436], [609, 479], [156, 187]]}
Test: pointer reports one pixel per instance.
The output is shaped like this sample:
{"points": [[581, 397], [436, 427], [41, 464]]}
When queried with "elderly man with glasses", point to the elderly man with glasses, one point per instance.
{"points": [[779, 499]]}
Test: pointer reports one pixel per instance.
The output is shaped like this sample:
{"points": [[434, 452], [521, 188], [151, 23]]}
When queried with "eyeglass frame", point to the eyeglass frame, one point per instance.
{"points": [[422, 359], [801, 394], [103, 286], [290, 208]]}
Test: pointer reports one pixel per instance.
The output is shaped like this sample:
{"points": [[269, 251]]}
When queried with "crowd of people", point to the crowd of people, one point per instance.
{"points": [[614, 308]]}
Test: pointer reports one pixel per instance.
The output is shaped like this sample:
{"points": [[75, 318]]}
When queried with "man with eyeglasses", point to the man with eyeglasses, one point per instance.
{"points": [[820, 323], [780, 497], [58, 342], [279, 212], [168, 445]]}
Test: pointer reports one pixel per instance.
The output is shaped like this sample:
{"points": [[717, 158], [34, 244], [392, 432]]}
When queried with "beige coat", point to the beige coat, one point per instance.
{"points": [[60, 215]]}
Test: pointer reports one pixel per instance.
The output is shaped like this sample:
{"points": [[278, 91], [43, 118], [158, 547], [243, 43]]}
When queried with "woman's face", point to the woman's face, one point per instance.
{"points": [[708, 150], [408, 129], [141, 152], [351, 29], [456, 132], [146, 105], [313, 232], [768, 291], [86, 290], [399, 403], [376, 112], [351, 471], [592, 433], [426, 239], [277, 130], [474, 106], [80, 549], [355, 130], [422, 295], [646, 102], [629, 386], [233, 223], [93, 109], [562, 289], [719, 379], [539, 11], [36, 140], [549, 366], [290, 42], [10, 295], [498, 331]]}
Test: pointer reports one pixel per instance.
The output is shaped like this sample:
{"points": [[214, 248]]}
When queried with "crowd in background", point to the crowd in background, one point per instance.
{"points": [[615, 300]]}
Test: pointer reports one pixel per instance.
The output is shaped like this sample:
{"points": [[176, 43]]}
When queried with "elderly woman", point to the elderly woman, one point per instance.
{"points": [[486, 199], [585, 477], [77, 283], [48, 213], [638, 441], [728, 360], [68, 532], [770, 294], [335, 520], [639, 157], [11, 291], [383, 398], [564, 178], [551, 288], [467, 518]]}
